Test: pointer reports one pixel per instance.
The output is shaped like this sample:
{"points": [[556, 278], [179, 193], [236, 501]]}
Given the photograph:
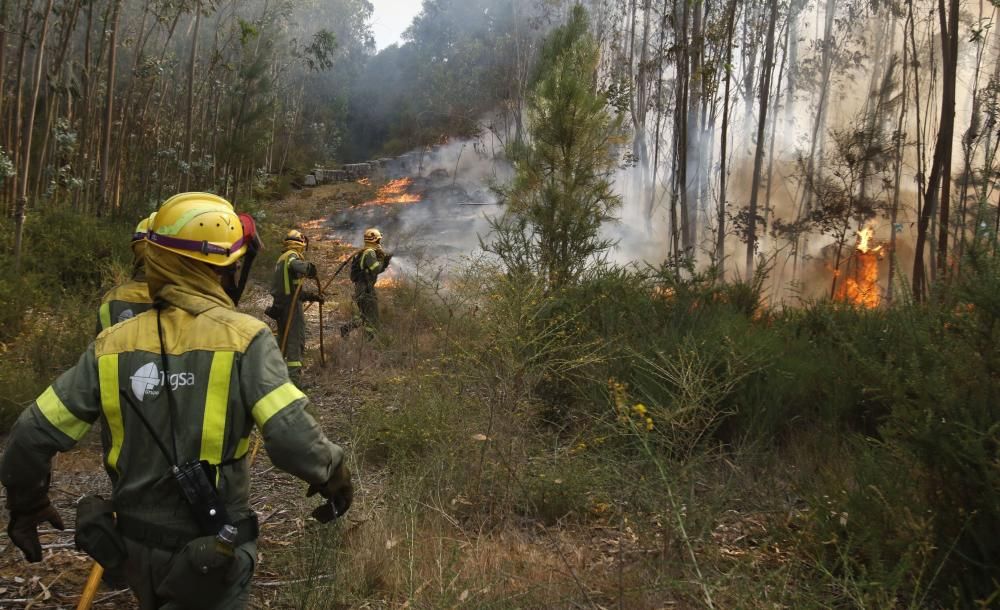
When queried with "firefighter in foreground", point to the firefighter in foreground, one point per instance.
{"points": [[289, 273], [131, 298], [366, 265], [178, 390]]}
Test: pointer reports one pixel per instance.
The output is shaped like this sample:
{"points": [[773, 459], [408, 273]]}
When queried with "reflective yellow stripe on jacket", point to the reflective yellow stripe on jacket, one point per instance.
{"points": [[60, 416], [107, 367], [105, 315], [285, 260], [372, 266], [275, 400], [213, 429]]}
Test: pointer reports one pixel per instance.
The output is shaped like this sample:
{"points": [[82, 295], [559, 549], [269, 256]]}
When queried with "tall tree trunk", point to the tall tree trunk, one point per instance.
{"points": [[818, 135], [3, 79], [720, 238], [639, 108], [941, 165], [651, 205], [109, 117], [758, 161], [683, 84], [22, 199], [14, 133], [190, 96], [57, 74], [695, 154], [899, 139]]}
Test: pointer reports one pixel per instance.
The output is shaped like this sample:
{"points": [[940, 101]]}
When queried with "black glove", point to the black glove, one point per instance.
{"points": [[310, 270], [23, 529], [313, 297], [386, 259], [338, 490]]}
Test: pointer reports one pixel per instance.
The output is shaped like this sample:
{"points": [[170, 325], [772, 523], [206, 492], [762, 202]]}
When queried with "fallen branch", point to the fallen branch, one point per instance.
{"points": [[281, 583]]}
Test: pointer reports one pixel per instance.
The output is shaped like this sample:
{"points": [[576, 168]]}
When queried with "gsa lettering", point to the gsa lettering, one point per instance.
{"points": [[178, 380]]}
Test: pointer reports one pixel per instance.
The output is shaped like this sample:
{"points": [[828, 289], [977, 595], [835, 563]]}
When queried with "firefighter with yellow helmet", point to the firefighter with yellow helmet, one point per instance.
{"points": [[131, 298], [178, 390], [366, 265], [288, 292]]}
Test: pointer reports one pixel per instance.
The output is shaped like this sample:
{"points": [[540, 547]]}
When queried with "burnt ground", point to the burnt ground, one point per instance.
{"points": [[278, 498]]}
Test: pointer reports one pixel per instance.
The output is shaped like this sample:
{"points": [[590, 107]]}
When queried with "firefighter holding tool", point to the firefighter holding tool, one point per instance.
{"points": [[287, 289]]}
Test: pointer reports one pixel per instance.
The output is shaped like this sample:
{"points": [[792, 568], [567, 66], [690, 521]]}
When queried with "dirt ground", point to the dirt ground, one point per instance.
{"points": [[277, 498]]}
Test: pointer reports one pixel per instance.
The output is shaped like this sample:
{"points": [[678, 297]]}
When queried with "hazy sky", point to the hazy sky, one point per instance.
{"points": [[391, 18]]}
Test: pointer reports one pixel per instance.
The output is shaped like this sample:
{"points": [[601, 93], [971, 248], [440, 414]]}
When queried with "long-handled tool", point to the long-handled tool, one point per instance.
{"points": [[322, 351], [322, 288], [90, 589], [291, 314]]}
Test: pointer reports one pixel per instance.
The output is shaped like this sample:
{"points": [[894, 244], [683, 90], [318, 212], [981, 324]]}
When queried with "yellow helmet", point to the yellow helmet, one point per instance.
{"points": [[373, 236], [296, 240], [139, 236], [201, 226], [142, 228]]}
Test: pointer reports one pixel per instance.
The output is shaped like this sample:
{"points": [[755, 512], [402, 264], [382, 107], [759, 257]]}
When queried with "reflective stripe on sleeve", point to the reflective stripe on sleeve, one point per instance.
{"points": [[105, 315], [276, 400], [293, 364], [60, 416], [107, 367], [213, 427], [287, 262]]}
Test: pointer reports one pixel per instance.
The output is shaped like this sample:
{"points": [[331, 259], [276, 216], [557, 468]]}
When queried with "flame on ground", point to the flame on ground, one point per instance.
{"points": [[394, 192], [389, 279], [861, 287]]}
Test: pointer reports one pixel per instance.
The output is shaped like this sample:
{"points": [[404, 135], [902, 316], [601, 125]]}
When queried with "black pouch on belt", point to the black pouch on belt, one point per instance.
{"points": [[96, 534], [201, 573]]}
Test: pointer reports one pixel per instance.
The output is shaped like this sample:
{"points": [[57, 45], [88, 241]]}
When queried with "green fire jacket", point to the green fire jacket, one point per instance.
{"points": [[123, 302], [289, 272], [226, 376]]}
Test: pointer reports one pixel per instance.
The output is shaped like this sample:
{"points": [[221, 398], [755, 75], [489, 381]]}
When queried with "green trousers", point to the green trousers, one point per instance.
{"points": [[366, 300], [295, 345]]}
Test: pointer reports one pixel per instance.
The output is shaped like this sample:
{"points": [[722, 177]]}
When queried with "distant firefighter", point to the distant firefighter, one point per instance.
{"points": [[289, 272], [366, 265], [131, 298]]}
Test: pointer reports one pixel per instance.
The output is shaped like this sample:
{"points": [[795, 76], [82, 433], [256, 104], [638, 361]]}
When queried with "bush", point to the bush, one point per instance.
{"points": [[49, 311]]}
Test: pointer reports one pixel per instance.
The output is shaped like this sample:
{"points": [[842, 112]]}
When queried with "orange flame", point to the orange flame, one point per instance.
{"points": [[394, 192], [389, 279], [862, 289]]}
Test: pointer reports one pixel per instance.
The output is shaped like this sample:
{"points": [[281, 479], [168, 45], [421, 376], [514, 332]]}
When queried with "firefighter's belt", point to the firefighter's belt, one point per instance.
{"points": [[171, 539]]}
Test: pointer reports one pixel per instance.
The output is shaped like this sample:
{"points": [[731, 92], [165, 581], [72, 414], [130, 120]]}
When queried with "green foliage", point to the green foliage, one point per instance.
{"points": [[562, 193], [48, 312], [890, 414], [319, 53]]}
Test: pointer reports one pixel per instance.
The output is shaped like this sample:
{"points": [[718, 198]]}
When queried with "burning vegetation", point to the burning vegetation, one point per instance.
{"points": [[394, 191], [861, 288]]}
